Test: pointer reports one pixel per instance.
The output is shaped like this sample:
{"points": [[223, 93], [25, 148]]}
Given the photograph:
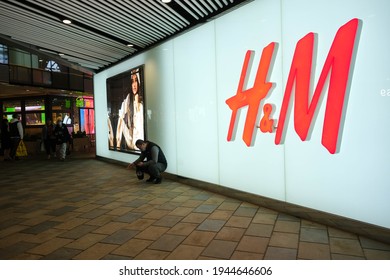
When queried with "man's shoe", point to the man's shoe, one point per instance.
{"points": [[158, 180], [140, 175]]}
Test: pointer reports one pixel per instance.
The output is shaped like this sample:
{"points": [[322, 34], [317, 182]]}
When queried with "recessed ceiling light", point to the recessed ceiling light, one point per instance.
{"points": [[67, 21], [130, 45], [166, 1]]}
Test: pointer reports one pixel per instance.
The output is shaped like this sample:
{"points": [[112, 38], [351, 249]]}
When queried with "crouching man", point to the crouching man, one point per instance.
{"points": [[151, 161]]}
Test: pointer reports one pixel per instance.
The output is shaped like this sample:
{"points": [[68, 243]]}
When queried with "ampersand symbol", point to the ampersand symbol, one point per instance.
{"points": [[266, 124]]}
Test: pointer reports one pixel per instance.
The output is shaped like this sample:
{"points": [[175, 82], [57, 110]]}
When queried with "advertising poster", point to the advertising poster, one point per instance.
{"points": [[125, 109]]}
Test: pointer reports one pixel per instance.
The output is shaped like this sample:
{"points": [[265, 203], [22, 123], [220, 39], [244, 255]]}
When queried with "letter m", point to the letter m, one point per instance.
{"points": [[337, 65]]}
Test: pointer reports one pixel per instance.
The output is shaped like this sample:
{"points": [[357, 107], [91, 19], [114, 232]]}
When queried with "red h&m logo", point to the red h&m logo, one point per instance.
{"points": [[337, 67]]}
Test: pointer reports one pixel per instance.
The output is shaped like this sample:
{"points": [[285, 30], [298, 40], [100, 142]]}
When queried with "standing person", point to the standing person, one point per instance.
{"points": [[16, 134], [62, 137], [5, 140], [154, 164], [48, 138]]}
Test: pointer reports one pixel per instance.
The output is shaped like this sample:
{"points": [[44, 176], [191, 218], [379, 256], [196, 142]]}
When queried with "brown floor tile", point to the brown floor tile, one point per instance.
{"points": [[62, 253], [149, 254], [211, 225], [110, 228], [314, 235], [182, 229], [287, 226], [372, 244], [190, 203], [237, 255], [345, 257], [78, 232], [140, 224], [152, 233], [27, 256], [132, 247], [46, 235], [230, 234], [86, 241], [205, 208], [284, 239], [167, 242], [156, 214], [185, 252], [17, 249], [240, 222], [96, 252], [220, 249], [231, 206], [13, 229], [259, 230], [70, 224], [246, 211], [376, 254], [100, 221], [121, 236], [313, 251], [221, 215], [253, 244], [345, 247], [181, 211], [168, 221], [310, 224], [49, 246], [265, 218], [195, 218], [275, 253], [200, 238], [113, 216], [14, 238]]}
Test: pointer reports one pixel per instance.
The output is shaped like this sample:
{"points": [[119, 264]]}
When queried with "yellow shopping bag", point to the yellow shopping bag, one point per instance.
{"points": [[21, 151]]}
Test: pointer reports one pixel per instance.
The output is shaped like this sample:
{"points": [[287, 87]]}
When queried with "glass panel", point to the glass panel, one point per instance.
{"points": [[20, 74], [35, 105], [64, 116], [35, 119], [19, 57], [11, 106], [60, 80], [76, 80], [87, 118], [60, 104], [3, 54], [41, 77]]}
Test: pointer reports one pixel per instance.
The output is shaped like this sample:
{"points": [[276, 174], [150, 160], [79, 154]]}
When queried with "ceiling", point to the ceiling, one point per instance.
{"points": [[101, 30]]}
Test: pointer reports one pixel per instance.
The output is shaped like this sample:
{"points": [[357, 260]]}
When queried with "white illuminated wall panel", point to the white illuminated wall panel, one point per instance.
{"points": [[195, 104], [354, 181], [188, 80]]}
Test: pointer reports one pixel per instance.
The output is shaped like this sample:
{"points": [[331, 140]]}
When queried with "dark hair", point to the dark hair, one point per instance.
{"points": [[15, 115], [139, 142]]}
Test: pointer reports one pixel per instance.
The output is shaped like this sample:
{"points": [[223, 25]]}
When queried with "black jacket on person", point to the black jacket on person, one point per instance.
{"points": [[148, 154], [62, 134]]}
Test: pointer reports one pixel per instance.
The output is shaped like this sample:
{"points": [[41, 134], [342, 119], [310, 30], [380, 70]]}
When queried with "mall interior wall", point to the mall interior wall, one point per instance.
{"points": [[189, 79]]}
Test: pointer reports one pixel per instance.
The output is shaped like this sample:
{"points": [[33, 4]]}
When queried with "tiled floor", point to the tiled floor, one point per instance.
{"points": [[85, 208]]}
